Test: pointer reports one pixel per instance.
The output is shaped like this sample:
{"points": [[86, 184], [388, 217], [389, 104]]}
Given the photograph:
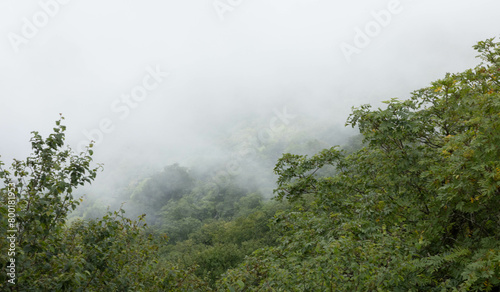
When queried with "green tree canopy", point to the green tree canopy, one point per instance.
{"points": [[113, 253], [416, 209]]}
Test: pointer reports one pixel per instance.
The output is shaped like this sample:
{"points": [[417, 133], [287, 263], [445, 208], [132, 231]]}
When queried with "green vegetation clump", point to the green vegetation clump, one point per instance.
{"points": [[415, 209], [414, 206], [113, 253]]}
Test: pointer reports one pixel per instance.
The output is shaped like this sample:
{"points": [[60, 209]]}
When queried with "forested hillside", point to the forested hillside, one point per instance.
{"points": [[410, 204]]}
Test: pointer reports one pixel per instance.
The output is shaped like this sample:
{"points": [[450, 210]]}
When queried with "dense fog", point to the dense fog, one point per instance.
{"points": [[160, 82], [237, 145]]}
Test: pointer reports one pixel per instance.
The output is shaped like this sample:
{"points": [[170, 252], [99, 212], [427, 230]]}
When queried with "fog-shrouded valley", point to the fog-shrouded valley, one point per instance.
{"points": [[225, 145]]}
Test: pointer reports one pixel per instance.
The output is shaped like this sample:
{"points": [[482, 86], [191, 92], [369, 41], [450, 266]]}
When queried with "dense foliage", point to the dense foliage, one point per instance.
{"points": [[411, 204], [416, 209], [109, 254]]}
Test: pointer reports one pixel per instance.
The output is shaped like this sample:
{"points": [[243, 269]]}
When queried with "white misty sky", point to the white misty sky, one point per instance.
{"points": [[259, 56]]}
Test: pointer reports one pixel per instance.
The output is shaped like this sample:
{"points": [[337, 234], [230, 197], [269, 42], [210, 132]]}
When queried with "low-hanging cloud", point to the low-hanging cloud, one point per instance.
{"points": [[104, 66]]}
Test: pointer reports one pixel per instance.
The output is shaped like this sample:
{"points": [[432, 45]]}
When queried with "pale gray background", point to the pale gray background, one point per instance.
{"points": [[264, 55]]}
